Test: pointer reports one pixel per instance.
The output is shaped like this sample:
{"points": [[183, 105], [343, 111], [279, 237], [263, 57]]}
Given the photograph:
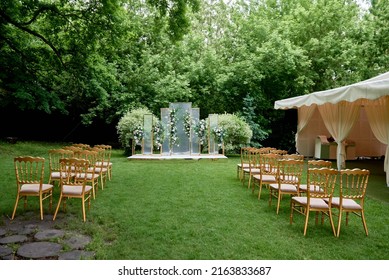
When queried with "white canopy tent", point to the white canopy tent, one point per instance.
{"points": [[340, 107]]}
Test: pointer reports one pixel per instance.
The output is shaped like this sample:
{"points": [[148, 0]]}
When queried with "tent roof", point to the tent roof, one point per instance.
{"points": [[370, 89]]}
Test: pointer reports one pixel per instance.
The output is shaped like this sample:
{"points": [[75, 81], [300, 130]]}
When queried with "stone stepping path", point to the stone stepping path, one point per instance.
{"points": [[39, 240], [39, 250]]}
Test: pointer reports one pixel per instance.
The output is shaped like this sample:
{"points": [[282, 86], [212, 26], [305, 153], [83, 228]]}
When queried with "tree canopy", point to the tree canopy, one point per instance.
{"points": [[93, 61]]}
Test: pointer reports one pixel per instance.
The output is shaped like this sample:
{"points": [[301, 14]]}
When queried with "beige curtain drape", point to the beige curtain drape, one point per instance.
{"points": [[339, 119], [377, 112], [304, 115]]}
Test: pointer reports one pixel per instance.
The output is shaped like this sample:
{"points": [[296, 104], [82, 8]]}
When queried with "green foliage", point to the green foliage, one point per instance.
{"points": [[97, 60], [237, 132], [376, 34], [130, 122], [254, 121]]}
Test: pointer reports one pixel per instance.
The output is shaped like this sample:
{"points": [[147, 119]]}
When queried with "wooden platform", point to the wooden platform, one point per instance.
{"points": [[177, 156]]}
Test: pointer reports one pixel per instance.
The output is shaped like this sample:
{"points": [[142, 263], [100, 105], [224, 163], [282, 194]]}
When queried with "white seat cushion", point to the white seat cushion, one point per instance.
{"points": [[315, 189], [89, 176], [348, 204], [316, 203], [266, 178], [99, 163], [57, 175], [34, 188], [74, 190]]}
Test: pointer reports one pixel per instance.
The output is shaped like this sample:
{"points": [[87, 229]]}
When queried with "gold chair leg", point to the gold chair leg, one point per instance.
{"points": [[57, 208], [291, 211], [364, 222], [41, 205], [15, 207], [306, 222], [278, 202], [339, 222], [332, 222], [83, 209], [93, 191]]}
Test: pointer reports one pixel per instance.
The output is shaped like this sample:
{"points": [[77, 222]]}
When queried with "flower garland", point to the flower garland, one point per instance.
{"points": [[219, 135], [200, 129], [187, 123], [173, 128], [158, 134], [138, 135]]}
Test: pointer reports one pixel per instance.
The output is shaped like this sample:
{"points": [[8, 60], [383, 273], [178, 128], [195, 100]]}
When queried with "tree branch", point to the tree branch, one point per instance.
{"points": [[32, 32]]}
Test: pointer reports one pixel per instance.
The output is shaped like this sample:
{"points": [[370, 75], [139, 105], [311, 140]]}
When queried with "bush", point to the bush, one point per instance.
{"points": [[132, 121], [237, 132]]}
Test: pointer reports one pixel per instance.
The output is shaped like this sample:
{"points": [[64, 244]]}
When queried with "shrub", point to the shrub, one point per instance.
{"points": [[237, 132], [131, 122]]}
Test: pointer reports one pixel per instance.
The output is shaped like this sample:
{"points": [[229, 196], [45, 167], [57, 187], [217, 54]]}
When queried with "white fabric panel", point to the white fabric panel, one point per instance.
{"points": [[378, 115], [304, 115], [339, 119]]}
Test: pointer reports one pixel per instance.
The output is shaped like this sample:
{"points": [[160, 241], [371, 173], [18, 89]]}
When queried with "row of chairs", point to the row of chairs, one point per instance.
{"points": [[99, 157], [325, 189], [75, 169]]}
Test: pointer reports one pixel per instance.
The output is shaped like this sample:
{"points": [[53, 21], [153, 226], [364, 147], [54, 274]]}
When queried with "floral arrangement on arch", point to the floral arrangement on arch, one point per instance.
{"points": [[158, 131], [138, 135], [200, 129], [219, 134], [173, 128], [187, 123]]}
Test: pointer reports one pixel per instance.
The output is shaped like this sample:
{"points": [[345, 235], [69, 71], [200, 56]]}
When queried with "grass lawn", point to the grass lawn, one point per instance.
{"points": [[198, 209]]}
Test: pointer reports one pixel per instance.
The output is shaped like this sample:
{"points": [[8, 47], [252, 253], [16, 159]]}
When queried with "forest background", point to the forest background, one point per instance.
{"points": [[69, 70]]}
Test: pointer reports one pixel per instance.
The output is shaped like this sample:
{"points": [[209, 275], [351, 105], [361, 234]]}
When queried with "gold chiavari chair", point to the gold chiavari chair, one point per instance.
{"points": [[321, 184], [351, 199], [29, 173], [74, 183], [288, 180]]}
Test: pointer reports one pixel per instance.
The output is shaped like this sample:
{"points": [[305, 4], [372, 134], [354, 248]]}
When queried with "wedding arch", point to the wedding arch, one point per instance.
{"points": [[180, 133]]}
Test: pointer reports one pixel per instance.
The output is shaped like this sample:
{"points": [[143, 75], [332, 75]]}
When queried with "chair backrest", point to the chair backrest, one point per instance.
{"points": [[101, 154], [253, 158], [91, 156], [266, 150], [81, 145], [104, 146], [55, 155], [244, 155], [321, 182], [74, 149], [278, 151], [353, 183], [318, 163], [293, 156], [268, 163], [29, 170], [107, 151], [290, 171], [72, 170]]}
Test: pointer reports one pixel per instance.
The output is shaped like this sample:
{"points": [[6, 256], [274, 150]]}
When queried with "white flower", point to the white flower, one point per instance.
{"points": [[200, 130], [173, 128], [219, 135], [138, 135], [158, 134], [187, 123]]}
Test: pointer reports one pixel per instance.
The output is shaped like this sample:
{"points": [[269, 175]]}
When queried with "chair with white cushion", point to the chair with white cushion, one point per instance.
{"points": [[75, 184], [351, 199], [320, 188], [29, 173]]}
